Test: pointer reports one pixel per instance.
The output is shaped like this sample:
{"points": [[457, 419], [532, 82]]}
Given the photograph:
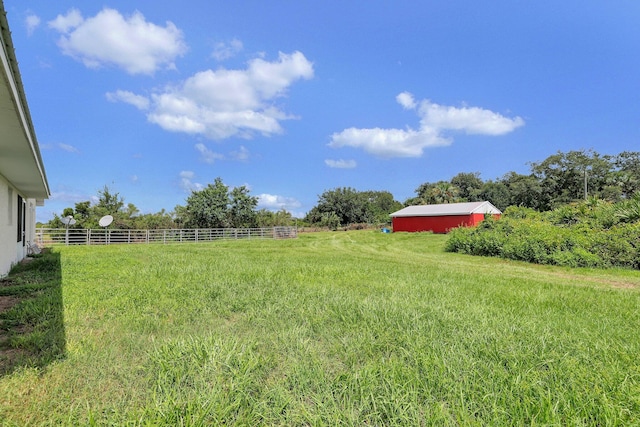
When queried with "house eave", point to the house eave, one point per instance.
{"points": [[20, 158]]}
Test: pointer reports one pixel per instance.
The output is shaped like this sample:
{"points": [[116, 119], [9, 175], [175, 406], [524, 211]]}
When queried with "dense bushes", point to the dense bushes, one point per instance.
{"points": [[588, 234]]}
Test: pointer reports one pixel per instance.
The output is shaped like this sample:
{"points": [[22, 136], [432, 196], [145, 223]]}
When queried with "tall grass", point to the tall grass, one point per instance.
{"points": [[345, 328]]}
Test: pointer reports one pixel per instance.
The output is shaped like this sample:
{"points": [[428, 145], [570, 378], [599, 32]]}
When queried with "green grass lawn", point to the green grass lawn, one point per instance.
{"points": [[344, 328]]}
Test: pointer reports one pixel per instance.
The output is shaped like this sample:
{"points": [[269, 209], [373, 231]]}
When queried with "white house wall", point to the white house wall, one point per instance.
{"points": [[7, 227], [13, 251]]}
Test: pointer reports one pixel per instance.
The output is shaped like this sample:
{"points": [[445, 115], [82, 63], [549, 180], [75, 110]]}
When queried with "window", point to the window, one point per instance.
{"points": [[21, 219]]}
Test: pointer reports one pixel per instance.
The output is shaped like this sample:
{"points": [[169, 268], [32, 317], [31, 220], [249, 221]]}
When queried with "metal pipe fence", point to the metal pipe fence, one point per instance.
{"points": [[74, 236]]}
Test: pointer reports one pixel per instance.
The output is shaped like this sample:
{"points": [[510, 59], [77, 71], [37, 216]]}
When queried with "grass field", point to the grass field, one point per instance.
{"points": [[344, 328]]}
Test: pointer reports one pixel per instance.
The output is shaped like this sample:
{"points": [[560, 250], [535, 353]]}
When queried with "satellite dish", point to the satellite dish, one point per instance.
{"points": [[105, 221], [68, 220]]}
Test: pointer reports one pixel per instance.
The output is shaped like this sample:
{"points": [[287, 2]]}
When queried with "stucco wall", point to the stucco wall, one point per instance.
{"points": [[12, 250], [7, 227]]}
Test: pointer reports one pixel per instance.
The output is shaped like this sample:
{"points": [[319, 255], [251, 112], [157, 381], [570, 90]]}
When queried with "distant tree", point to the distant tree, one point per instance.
{"points": [[469, 186], [353, 207], [267, 218], [626, 173], [209, 207], [379, 204], [67, 212], [242, 208], [87, 215], [436, 193], [497, 193], [215, 206], [180, 216], [423, 194], [563, 176], [445, 192], [329, 220], [83, 211], [55, 222], [108, 203], [413, 201], [156, 221], [525, 191], [284, 217], [346, 203]]}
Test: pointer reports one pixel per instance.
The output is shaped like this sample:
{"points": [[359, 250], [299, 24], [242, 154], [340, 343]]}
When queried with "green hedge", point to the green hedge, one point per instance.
{"points": [[589, 234]]}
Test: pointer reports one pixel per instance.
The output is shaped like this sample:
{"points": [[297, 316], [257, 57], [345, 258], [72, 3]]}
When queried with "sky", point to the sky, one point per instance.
{"points": [[155, 99]]}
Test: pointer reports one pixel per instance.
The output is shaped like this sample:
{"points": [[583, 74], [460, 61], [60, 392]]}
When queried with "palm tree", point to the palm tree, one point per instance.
{"points": [[444, 192]]}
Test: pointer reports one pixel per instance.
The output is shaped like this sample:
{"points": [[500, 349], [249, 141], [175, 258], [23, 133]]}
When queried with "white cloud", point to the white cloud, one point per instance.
{"points": [[240, 154], [61, 146], [435, 121], [341, 164], [225, 103], [131, 43], [64, 23], [222, 51], [186, 182], [32, 22], [406, 100], [67, 196], [208, 156], [275, 202], [471, 120], [387, 143], [138, 101], [68, 148]]}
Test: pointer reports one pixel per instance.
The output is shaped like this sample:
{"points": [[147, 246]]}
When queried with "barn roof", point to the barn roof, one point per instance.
{"points": [[467, 208]]}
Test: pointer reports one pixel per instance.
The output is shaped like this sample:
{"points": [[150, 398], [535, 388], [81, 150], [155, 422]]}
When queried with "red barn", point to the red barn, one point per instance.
{"points": [[442, 218]]}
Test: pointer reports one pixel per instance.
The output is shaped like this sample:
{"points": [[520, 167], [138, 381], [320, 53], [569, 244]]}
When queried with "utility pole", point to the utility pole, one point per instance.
{"points": [[585, 183]]}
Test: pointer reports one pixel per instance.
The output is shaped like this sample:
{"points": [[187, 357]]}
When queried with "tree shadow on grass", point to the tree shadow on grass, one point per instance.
{"points": [[32, 330]]}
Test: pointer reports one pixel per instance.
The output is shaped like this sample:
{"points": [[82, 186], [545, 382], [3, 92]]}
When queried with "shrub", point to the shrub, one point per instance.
{"points": [[520, 212], [330, 220], [580, 235]]}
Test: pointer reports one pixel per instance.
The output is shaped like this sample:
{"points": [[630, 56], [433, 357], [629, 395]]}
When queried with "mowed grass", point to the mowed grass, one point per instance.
{"points": [[344, 328]]}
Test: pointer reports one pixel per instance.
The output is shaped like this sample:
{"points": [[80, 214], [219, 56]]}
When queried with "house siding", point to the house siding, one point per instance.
{"points": [[8, 227], [13, 243]]}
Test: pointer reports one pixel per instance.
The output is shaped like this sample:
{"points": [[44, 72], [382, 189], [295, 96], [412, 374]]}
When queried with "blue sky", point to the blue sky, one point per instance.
{"points": [[158, 98]]}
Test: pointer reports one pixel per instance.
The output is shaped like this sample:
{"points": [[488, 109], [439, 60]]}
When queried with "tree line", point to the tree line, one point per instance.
{"points": [[560, 179], [215, 206]]}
